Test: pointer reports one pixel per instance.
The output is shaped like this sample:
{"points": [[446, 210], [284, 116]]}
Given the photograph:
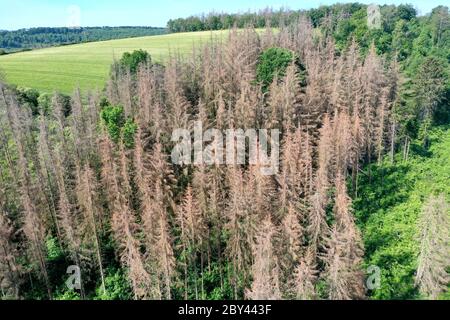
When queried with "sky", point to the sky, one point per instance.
{"points": [[17, 14]]}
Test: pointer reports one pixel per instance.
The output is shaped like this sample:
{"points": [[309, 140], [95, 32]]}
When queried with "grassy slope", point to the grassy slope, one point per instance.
{"points": [[87, 65], [387, 210]]}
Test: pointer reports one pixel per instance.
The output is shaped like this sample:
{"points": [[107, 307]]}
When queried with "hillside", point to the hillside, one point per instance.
{"points": [[87, 65]]}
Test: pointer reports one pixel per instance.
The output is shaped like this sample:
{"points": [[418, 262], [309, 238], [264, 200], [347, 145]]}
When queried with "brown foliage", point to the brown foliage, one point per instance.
{"points": [[344, 251], [265, 270]]}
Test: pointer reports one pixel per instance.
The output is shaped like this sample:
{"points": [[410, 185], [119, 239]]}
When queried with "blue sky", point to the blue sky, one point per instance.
{"points": [[15, 14]]}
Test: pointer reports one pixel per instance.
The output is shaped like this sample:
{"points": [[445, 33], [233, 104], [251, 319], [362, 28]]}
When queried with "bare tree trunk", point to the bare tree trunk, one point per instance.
{"points": [[393, 135], [186, 285], [408, 149]]}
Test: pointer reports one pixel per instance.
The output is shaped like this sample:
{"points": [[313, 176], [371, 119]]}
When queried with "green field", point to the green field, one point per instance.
{"points": [[87, 65]]}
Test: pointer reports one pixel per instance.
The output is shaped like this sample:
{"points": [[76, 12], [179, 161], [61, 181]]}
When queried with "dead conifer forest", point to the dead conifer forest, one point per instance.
{"points": [[93, 207]]}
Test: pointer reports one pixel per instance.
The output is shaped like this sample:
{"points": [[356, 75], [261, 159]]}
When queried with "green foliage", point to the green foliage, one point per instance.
{"points": [[54, 251], [29, 97], [354, 27], [430, 85], [69, 295], [225, 21], [45, 103], [273, 63], [132, 61], [215, 290], [394, 37], [129, 132], [403, 37], [406, 12], [114, 119], [103, 103], [39, 102], [423, 51], [116, 285], [387, 207]]}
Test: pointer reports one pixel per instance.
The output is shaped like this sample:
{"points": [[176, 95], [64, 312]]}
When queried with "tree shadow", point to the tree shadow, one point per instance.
{"points": [[386, 187]]}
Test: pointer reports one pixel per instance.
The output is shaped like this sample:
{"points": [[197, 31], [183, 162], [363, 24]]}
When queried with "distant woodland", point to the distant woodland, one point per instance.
{"points": [[47, 37]]}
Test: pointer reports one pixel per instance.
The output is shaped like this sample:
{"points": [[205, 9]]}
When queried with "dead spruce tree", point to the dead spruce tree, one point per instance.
{"points": [[240, 227], [265, 269], [240, 54], [161, 178], [9, 268], [285, 100], [123, 221], [66, 216], [344, 250], [296, 177], [177, 104], [47, 173], [317, 226], [289, 249], [342, 142], [192, 229], [305, 277], [373, 82], [146, 208], [434, 259], [88, 199], [247, 110], [209, 184], [33, 225]]}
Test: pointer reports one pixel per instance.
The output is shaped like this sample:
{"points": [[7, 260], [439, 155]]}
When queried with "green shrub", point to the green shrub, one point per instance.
{"points": [[45, 103], [114, 119], [54, 251], [118, 127], [67, 296]]}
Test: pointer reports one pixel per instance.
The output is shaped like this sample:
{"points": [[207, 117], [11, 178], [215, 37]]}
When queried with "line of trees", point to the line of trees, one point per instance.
{"points": [[48, 37], [325, 16], [221, 21]]}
